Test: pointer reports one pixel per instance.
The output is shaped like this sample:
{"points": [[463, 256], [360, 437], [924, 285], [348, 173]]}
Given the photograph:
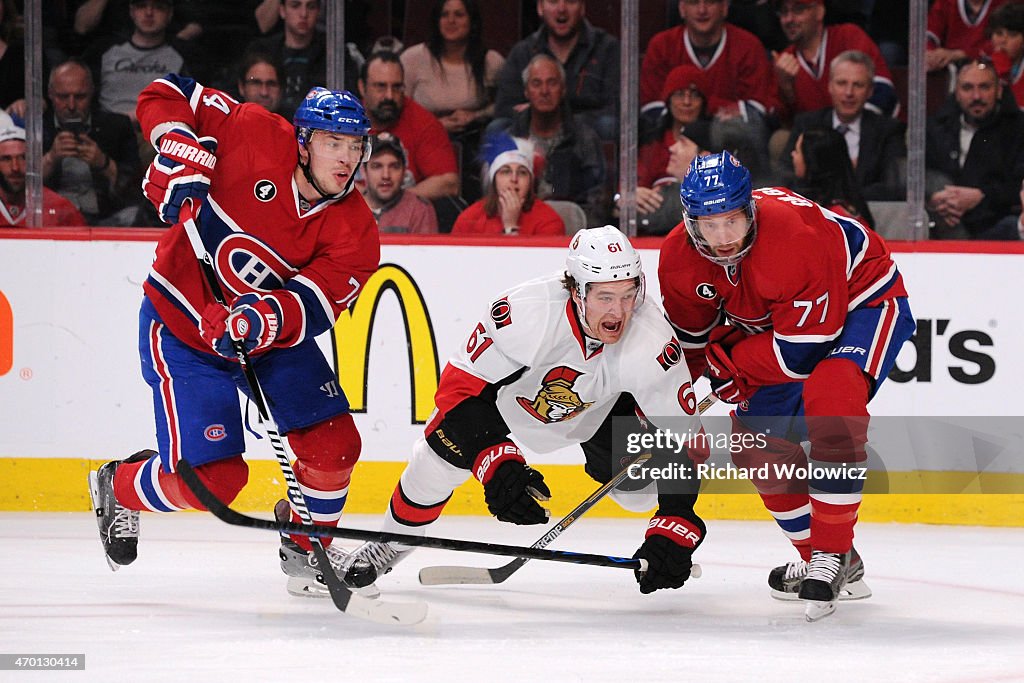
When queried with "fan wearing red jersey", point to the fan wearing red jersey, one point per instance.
{"points": [[292, 245], [797, 314]]}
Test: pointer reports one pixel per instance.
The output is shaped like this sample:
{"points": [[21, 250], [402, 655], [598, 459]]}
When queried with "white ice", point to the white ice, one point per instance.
{"points": [[206, 601]]}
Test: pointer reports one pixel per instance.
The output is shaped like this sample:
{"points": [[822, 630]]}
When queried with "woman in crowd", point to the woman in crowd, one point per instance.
{"points": [[658, 207], [684, 94], [821, 163], [453, 76], [510, 205]]}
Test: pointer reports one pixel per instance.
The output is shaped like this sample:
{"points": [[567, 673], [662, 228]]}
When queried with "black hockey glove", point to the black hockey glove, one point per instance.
{"points": [[511, 488], [668, 548]]}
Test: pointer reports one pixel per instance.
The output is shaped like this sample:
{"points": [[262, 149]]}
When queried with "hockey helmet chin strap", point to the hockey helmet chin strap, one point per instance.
{"points": [[308, 174]]}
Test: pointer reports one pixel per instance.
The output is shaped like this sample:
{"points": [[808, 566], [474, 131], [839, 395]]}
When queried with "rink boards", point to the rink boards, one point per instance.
{"points": [[71, 394]]}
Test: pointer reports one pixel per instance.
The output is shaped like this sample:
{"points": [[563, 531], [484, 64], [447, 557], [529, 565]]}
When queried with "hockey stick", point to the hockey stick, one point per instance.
{"points": [[226, 514], [442, 575], [344, 599]]}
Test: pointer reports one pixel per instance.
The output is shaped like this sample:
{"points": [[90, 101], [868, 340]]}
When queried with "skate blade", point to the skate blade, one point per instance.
{"points": [[94, 497], [308, 588], [817, 609], [858, 590]]}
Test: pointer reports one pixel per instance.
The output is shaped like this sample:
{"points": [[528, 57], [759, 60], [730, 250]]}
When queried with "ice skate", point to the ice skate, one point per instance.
{"points": [[826, 576], [304, 577], [119, 526], [785, 580], [379, 557]]}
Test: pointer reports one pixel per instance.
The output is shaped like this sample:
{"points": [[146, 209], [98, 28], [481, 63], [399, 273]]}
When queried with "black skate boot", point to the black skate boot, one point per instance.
{"points": [[119, 526], [785, 580], [826, 576], [304, 576]]}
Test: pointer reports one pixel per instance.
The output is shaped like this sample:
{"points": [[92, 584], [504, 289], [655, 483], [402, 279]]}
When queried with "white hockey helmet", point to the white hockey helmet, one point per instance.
{"points": [[604, 255]]}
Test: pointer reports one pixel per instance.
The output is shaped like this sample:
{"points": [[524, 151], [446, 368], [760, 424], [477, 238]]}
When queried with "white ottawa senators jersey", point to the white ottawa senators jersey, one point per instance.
{"points": [[568, 382]]}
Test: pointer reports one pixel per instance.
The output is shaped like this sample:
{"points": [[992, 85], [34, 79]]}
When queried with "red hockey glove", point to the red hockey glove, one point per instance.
{"points": [[181, 170], [668, 548], [252, 320], [726, 381], [511, 487]]}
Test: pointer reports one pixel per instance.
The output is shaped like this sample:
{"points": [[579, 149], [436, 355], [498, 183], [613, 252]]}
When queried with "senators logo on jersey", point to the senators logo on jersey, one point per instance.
{"points": [[670, 355], [556, 401], [501, 313]]}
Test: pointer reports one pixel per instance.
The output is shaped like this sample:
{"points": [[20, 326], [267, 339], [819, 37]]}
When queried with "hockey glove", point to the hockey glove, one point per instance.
{"points": [[511, 487], [252, 320], [726, 381], [668, 548], [181, 170]]}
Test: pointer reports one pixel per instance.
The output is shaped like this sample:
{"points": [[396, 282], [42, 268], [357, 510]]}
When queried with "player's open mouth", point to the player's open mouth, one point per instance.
{"points": [[612, 326]]}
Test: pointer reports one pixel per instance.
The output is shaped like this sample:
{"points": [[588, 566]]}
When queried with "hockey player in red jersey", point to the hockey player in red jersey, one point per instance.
{"points": [[292, 245], [797, 314], [551, 364]]}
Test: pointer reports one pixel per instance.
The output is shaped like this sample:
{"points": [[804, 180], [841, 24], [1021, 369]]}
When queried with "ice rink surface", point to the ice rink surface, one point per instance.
{"points": [[206, 602]]}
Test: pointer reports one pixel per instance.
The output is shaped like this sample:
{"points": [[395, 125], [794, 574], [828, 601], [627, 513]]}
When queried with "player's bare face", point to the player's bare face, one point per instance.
{"points": [[515, 178], [725, 233], [609, 306], [333, 158], [384, 174]]}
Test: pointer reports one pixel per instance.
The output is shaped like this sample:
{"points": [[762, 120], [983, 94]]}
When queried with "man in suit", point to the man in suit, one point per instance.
{"points": [[875, 142], [974, 156]]}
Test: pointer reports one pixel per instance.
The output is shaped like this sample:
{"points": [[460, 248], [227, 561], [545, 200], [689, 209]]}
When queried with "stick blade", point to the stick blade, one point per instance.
{"points": [[449, 576]]}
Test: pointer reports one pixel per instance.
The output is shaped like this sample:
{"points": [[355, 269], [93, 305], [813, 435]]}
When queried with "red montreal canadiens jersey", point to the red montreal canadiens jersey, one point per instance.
{"points": [[568, 383], [807, 268], [312, 262]]}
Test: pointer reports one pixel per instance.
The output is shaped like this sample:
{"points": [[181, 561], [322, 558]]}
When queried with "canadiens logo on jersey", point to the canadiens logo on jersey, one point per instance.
{"points": [[556, 401], [246, 264], [264, 190]]}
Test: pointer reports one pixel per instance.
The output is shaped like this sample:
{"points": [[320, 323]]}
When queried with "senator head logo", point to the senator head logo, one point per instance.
{"points": [[557, 400]]}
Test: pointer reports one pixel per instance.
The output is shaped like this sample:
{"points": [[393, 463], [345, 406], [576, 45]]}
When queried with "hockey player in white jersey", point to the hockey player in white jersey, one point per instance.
{"points": [[551, 363]]}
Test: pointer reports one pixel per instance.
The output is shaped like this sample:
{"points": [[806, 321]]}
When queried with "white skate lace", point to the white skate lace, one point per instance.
{"points": [[380, 555], [795, 570], [824, 567], [126, 523]]}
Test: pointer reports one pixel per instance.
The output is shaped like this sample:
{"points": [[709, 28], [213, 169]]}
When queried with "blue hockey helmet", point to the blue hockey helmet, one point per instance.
{"points": [[717, 184], [335, 111]]}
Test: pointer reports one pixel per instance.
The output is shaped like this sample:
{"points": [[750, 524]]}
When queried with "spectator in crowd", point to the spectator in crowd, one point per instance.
{"points": [[573, 161], [453, 76], [12, 55], [685, 115], [824, 174], [742, 94], [300, 50], [430, 156], [589, 56], [758, 17], [658, 208], [101, 20], [802, 69], [124, 67], [1006, 27], [91, 156], [975, 158], [56, 209], [395, 209], [510, 205], [260, 80], [956, 31], [875, 144]]}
